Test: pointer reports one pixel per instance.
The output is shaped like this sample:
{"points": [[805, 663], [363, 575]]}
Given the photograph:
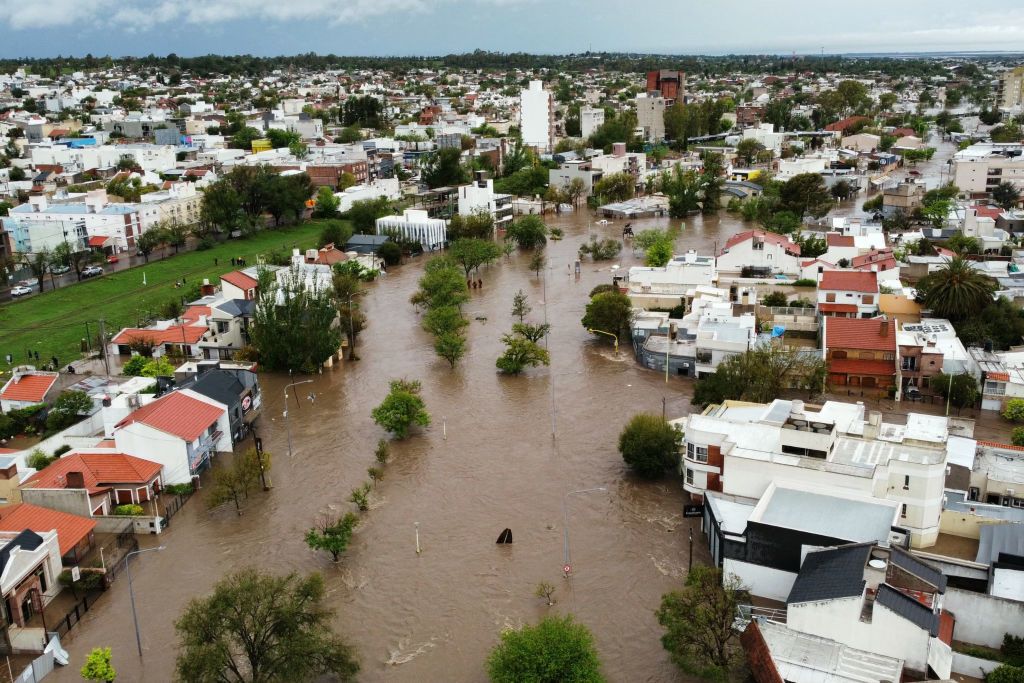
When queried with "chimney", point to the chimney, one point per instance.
{"points": [[872, 425], [883, 329], [75, 480], [619, 149], [207, 289]]}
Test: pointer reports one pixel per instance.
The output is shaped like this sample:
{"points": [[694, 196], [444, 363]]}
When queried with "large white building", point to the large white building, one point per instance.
{"points": [[978, 169], [740, 449], [650, 116], [591, 118], [480, 197], [417, 225], [537, 117]]}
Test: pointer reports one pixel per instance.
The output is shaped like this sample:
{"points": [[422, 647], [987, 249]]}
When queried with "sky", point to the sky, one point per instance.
{"points": [[31, 28]]}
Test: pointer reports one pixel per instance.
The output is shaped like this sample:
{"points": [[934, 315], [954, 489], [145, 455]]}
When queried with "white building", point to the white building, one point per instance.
{"points": [[793, 167], [480, 197], [417, 225], [591, 118], [665, 287], [760, 249], [978, 169], [382, 187], [537, 117], [740, 449]]}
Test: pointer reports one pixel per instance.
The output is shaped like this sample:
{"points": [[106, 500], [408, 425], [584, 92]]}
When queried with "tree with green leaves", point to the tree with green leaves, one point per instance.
{"points": [[711, 181], [402, 408], [521, 353], [960, 389], [964, 244], [364, 214], [529, 232], [337, 233], [444, 168], [65, 255], [556, 650], [530, 331], [956, 290], [221, 208], [451, 346], [326, 204], [610, 312], [1006, 195], [257, 627], [471, 253], [615, 187], [293, 327], [698, 622], [520, 305], [332, 534], [176, 234], [760, 375], [806, 194], [147, 242], [441, 285], [285, 196], [232, 483], [443, 320], [348, 293], [537, 262], [97, 666], [649, 445], [1014, 410], [748, 149], [477, 225]]}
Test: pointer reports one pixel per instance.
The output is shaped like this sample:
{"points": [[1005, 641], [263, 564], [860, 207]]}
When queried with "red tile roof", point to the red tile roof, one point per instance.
{"points": [[843, 124], [860, 333], [849, 281], [989, 211], [834, 239], [996, 444], [178, 414], [71, 529], [171, 335], [192, 314], [859, 366], [837, 308], [31, 387], [99, 471], [98, 241], [764, 235], [239, 279]]}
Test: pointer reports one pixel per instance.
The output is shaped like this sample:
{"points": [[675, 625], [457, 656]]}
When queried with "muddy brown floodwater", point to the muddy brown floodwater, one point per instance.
{"points": [[435, 616]]}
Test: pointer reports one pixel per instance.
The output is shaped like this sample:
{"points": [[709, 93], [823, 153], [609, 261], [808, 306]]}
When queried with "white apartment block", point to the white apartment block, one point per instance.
{"points": [[1010, 94], [537, 117], [591, 118], [479, 197], [740, 449], [416, 224], [650, 116], [978, 169]]}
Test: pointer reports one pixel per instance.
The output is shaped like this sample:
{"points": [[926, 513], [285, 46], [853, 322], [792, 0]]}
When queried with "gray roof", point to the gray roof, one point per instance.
{"points": [[999, 539], [27, 540], [927, 573], [238, 307], [831, 516], [831, 574], [908, 608], [220, 385]]}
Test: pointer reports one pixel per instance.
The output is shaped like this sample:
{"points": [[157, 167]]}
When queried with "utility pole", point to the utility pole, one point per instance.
{"points": [[103, 347]]}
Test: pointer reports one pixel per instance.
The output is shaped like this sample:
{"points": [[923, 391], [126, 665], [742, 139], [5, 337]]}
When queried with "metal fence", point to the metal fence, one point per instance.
{"points": [[74, 615], [173, 505]]}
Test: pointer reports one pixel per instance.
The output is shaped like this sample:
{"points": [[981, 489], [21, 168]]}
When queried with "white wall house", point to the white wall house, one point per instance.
{"points": [[416, 224], [182, 431], [761, 249], [480, 197], [591, 118]]}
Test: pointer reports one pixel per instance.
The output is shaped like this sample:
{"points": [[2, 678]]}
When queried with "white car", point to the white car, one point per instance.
{"points": [[60, 270], [92, 271], [20, 290]]}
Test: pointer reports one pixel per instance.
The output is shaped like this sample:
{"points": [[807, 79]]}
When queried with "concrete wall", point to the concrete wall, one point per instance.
{"points": [[973, 666], [983, 619], [72, 436], [115, 524], [73, 501]]}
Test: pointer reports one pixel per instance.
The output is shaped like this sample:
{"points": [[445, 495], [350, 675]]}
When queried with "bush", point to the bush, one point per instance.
{"points": [[391, 253], [89, 581], [8, 427], [133, 366], [556, 649], [1014, 411], [178, 489], [601, 289], [130, 510], [873, 204], [805, 282], [1006, 674], [774, 299], [600, 250], [38, 460], [648, 445], [1017, 439], [61, 451]]}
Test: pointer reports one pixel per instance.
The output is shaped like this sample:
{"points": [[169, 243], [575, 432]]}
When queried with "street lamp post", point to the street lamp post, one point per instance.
{"points": [[609, 334], [131, 591], [287, 425], [567, 565]]}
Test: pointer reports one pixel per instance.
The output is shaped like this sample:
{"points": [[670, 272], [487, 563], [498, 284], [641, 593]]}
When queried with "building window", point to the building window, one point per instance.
{"points": [[868, 299], [689, 476], [903, 510], [697, 453], [830, 297]]}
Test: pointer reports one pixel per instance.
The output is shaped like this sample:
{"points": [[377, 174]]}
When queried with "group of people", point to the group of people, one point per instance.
{"points": [[475, 284]]}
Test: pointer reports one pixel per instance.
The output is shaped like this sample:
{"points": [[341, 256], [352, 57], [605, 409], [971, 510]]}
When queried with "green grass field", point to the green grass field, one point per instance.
{"points": [[54, 322]]}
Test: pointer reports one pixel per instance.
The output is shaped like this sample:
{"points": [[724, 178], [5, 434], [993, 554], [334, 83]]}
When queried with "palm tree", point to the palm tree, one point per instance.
{"points": [[956, 290]]}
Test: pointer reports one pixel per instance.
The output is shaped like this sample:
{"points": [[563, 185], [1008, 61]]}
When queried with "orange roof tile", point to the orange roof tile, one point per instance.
{"points": [[764, 235], [849, 281], [860, 333], [837, 308], [31, 387], [176, 413], [71, 529], [862, 366], [834, 239], [99, 471], [171, 335], [996, 444], [239, 279]]}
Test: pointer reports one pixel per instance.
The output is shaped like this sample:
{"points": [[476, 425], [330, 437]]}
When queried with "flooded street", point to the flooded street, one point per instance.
{"points": [[435, 616], [488, 461]]}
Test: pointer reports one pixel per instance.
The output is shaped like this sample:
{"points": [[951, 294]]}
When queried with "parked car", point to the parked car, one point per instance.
{"points": [[60, 270], [112, 258], [29, 282], [20, 290], [92, 271]]}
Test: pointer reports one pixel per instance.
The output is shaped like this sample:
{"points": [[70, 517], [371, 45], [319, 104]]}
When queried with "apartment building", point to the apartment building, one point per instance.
{"points": [[671, 84], [739, 449], [650, 116], [591, 118], [978, 169], [1010, 91], [537, 117], [480, 197]]}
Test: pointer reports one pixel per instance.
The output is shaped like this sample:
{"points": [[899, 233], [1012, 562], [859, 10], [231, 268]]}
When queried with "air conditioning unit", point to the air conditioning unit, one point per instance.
{"points": [[133, 401]]}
